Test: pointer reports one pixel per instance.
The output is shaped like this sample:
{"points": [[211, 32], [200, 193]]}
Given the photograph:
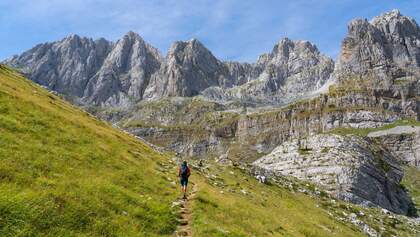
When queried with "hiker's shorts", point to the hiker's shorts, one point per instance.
{"points": [[184, 181]]}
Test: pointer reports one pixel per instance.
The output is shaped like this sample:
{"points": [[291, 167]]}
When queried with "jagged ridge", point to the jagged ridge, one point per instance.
{"points": [[122, 73]]}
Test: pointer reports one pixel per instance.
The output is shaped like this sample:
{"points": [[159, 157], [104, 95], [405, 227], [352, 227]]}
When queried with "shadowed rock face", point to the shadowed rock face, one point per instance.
{"points": [[403, 142]]}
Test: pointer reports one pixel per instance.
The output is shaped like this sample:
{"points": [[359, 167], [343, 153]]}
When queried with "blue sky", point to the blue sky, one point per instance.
{"points": [[232, 29]]}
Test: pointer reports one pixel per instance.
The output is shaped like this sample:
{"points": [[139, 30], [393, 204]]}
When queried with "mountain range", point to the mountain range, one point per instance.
{"points": [[110, 74], [294, 112]]}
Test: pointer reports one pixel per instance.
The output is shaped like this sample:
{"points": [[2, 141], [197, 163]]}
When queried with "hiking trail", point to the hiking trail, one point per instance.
{"points": [[185, 222]]}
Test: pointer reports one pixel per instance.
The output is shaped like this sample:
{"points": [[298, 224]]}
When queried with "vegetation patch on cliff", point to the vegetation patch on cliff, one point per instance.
{"points": [[365, 131], [411, 182]]}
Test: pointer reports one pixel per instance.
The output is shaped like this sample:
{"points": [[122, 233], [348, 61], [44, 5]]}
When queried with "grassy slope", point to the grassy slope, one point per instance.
{"points": [[365, 131], [231, 203], [411, 182], [65, 173], [223, 209]]}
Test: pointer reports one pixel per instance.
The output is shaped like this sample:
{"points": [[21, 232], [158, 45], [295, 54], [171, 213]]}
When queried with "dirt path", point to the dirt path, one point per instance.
{"points": [[185, 221]]}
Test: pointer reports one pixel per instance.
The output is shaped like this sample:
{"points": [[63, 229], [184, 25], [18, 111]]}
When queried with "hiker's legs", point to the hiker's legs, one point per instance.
{"points": [[184, 183]]}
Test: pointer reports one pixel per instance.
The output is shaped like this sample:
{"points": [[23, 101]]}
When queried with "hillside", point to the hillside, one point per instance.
{"points": [[65, 173], [231, 203]]}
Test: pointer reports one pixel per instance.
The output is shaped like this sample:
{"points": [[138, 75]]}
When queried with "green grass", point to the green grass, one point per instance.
{"points": [[365, 131], [63, 173], [304, 151], [222, 209], [411, 182]]}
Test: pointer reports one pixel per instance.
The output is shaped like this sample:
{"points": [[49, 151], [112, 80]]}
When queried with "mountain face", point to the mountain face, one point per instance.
{"points": [[103, 73], [292, 69], [298, 66], [383, 50], [92, 72], [354, 166], [188, 102], [125, 73], [65, 66], [377, 83], [189, 69]]}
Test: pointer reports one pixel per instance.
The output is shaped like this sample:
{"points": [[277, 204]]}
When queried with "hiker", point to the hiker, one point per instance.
{"points": [[183, 174]]}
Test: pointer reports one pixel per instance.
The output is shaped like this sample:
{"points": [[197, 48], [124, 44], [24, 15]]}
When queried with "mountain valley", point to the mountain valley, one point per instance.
{"points": [[332, 137]]}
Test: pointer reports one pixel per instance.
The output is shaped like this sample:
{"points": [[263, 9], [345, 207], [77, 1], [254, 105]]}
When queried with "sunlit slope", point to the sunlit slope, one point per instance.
{"points": [[230, 203], [64, 173]]}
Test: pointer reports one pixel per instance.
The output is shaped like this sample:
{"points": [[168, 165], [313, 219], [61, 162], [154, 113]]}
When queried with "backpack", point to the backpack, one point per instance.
{"points": [[185, 172]]}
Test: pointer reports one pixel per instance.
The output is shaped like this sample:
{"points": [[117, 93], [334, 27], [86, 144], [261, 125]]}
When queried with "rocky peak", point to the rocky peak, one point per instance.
{"points": [[72, 39], [75, 42], [291, 69], [190, 52], [394, 23], [64, 66], [287, 49], [130, 70], [129, 52], [382, 50], [190, 68], [94, 72], [404, 34], [103, 73], [132, 35], [126, 72]]}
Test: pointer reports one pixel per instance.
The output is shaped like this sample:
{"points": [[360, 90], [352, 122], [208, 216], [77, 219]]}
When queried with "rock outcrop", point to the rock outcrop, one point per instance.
{"points": [[403, 142], [349, 167], [382, 51]]}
